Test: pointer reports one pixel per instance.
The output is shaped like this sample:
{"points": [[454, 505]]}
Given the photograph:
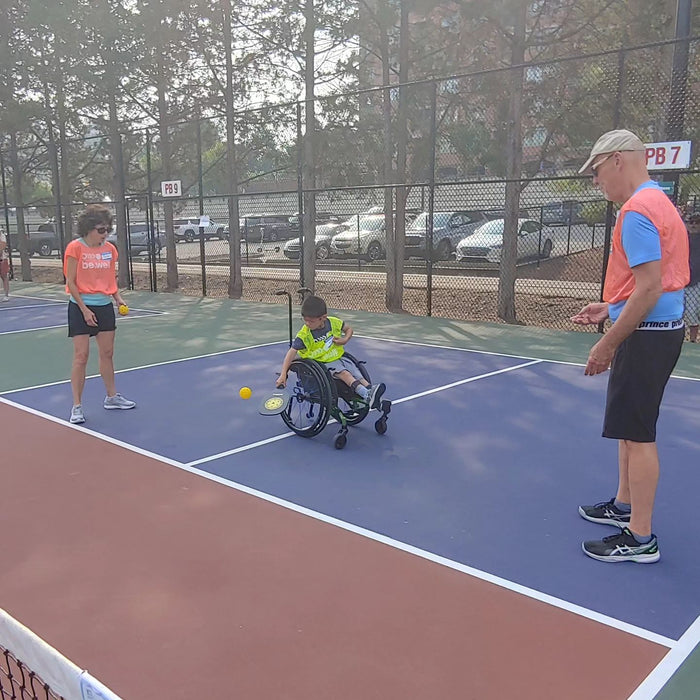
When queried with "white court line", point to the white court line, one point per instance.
{"points": [[489, 352], [147, 314], [606, 620], [29, 296], [154, 364], [679, 652], [31, 306], [252, 445]]}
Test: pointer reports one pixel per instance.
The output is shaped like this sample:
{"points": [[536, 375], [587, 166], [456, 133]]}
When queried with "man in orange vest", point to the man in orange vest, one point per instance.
{"points": [[643, 297]]}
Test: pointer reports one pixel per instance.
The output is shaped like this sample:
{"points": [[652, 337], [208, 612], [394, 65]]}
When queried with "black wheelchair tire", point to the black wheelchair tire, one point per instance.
{"points": [[319, 386]]}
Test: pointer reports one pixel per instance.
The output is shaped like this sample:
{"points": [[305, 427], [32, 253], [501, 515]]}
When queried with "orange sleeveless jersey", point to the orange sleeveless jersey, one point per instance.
{"points": [[675, 271], [96, 267]]}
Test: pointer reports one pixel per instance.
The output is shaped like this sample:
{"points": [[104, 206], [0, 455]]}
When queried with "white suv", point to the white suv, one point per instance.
{"points": [[189, 231]]}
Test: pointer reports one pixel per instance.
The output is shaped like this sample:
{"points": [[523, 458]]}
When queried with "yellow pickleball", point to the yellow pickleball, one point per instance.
{"points": [[245, 393], [123, 309]]}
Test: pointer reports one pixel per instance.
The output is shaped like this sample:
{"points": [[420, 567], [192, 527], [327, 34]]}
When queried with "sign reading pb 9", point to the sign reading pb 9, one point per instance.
{"points": [[171, 188], [669, 155]]}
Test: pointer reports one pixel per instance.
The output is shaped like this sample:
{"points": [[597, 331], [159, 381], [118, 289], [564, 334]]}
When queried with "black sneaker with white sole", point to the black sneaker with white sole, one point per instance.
{"points": [[606, 513], [375, 394], [623, 547]]}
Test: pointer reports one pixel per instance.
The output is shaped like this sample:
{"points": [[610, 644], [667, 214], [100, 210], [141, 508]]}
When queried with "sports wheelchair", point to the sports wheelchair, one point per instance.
{"points": [[312, 397]]}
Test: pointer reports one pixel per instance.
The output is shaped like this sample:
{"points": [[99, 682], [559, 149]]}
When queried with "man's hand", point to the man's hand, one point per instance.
{"points": [[340, 340], [281, 381], [591, 313], [599, 358]]}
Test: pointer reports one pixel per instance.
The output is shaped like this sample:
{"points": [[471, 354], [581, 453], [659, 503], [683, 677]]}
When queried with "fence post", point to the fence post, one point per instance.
{"points": [[152, 269], [200, 177], [7, 213], [128, 247], [300, 196], [431, 196], [55, 176]]}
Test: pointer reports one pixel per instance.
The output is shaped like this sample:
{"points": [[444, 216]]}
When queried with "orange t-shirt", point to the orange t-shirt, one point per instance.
{"points": [[96, 267]]}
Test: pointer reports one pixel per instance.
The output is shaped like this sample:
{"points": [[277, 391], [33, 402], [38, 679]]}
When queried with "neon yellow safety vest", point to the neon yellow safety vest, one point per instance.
{"points": [[322, 349]]}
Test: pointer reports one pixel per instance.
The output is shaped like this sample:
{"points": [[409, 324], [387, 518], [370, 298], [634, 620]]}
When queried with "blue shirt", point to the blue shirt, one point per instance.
{"points": [[641, 243]]}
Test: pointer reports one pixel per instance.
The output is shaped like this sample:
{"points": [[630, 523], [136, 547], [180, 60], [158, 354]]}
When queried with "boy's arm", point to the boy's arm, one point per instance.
{"points": [[288, 358], [347, 334]]}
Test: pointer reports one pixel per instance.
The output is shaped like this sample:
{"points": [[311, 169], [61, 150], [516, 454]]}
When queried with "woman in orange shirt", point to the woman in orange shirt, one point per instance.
{"points": [[90, 270]]}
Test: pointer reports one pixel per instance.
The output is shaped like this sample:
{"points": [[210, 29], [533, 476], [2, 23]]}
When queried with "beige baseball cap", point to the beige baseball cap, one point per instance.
{"points": [[611, 141]]}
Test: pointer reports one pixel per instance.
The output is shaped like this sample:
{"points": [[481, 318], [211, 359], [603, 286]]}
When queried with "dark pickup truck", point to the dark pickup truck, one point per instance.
{"points": [[42, 240]]}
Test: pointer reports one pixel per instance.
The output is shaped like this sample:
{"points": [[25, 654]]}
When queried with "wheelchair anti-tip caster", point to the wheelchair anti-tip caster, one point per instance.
{"points": [[341, 439], [380, 423]]}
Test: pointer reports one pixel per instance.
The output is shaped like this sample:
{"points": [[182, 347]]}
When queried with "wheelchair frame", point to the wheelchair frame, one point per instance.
{"points": [[317, 397]]}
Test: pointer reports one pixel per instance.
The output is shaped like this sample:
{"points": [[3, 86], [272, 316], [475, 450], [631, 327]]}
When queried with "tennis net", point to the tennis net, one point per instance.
{"points": [[31, 669]]}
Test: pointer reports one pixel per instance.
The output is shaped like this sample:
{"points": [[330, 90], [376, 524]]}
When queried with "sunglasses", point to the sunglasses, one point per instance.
{"points": [[104, 229], [596, 166]]}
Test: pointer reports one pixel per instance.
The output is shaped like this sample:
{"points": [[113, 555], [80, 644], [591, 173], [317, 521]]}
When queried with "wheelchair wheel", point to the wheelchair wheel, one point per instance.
{"points": [[311, 402], [350, 404]]}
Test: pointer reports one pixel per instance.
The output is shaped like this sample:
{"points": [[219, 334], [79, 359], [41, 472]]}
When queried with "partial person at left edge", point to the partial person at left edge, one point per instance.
{"points": [[4, 267], [90, 270]]}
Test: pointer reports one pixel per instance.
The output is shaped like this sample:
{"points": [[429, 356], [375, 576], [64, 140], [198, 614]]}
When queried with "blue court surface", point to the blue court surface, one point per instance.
{"points": [[484, 463], [24, 313]]}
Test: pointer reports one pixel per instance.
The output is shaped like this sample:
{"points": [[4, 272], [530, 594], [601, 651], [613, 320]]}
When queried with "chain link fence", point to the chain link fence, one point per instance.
{"points": [[408, 190]]}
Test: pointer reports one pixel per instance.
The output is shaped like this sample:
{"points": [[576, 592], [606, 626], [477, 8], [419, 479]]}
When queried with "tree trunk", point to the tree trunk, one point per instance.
{"points": [[395, 255], [388, 160], [506, 282], [64, 166], [22, 242], [52, 149], [235, 280], [172, 280], [115, 149], [309, 166]]}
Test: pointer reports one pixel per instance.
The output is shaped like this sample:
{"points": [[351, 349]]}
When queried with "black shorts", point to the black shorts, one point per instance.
{"points": [[106, 320], [638, 376]]}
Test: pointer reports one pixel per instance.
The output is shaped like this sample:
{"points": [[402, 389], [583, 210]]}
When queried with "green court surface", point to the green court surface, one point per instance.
{"points": [[193, 326]]}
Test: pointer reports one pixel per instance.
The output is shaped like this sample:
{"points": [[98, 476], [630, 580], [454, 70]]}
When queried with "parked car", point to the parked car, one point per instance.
{"points": [[484, 245], [227, 233], [449, 228], [44, 240], [189, 231], [365, 237], [565, 213], [324, 235], [322, 217], [138, 240], [259, 228]]}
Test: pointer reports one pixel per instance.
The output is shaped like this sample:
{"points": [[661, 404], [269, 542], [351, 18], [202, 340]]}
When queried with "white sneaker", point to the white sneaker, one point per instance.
{"points": [[77, 415], [118, 401], [5, 298]]}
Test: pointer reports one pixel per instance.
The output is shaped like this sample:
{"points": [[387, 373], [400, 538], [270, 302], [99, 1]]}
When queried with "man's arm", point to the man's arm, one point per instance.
{"points": [[647, 290]]}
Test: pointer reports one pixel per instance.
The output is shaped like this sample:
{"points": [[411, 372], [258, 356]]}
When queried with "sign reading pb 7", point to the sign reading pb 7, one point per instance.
{"points": [[669, 155]]}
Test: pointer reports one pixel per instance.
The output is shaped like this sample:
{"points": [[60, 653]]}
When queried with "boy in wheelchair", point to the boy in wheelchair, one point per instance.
{"points": [[322, 338]]}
